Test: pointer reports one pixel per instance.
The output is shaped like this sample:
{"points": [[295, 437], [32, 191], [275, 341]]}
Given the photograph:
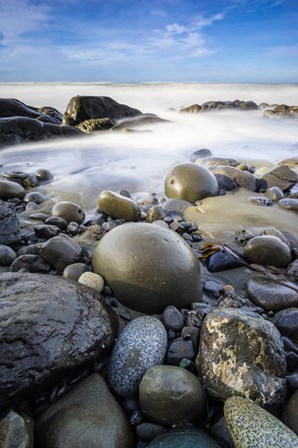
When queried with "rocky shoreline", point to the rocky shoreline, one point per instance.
{"points": [[149, 321]]}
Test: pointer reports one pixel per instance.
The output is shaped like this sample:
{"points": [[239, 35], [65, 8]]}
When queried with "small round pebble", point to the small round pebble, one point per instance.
{"points": [[74, 271], [94, 281]]}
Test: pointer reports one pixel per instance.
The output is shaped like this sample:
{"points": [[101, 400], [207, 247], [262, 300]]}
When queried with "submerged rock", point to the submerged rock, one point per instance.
{"points": [[148, 267], [48, 328]]}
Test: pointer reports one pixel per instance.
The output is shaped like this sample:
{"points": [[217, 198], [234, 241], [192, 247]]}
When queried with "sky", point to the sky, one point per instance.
{"points": [[216, 41]]}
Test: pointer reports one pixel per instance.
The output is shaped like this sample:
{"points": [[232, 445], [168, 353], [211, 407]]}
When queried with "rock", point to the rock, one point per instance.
{"points": [[274, 193], [286, 322], [260, 200], [32, 263], [92, 280], [291, 162], [172, 318], [170, 395], [251, 426], [241, 355], [243, 179], [290, 413], [46, 231], [69, 211], [96, 124], [194, 109], [282, 177], [118, 206], [289, 203], [7, 255], [56, 221], [9, 226], [141, 345], [10, 190], [147, 431], [155, 213], [14, 108], [222, 260], [200, 154], [268, 250], [81, 108], [60, 251], [221, 433], [87, 416], [43, 175], [292, 269], [176, 205], [16, 431], [190, 182], [140, 120], [49, 327], [74, 271], [215, 161], [184, 439], [35, 196], [148, 267], [52, 112], [179, 349], [225, 183]]}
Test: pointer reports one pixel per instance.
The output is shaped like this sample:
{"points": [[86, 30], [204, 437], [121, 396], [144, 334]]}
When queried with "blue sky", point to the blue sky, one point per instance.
{"points": [[149, 40]]}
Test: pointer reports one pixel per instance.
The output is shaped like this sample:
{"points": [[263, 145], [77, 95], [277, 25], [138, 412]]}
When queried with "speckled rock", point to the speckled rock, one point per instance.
{"points": [[252, 426], [118, 206], [290, 414], [69, 211], [241, 355], [268, 250], [282, 177], [289, 204], [287, 322], [270, 295], [16, 431], [274, 193], [148, 267], [88, 416], [190, 182], [9, 190], [242, 178], [170, 395], [184, 439], [74, 271], [7, 255], [141, 345], [61, 251], [92, 280]]}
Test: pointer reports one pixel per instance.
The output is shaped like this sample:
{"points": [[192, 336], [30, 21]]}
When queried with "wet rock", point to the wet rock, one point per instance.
{"points": [[290, 413], [190, 182], [32, 263], [139, 120], [14, 108], [155, 213], [81, 108], [286, 322], [291, 162], [118, 206], [260, 200], [270, 295], [49, 327], [172, 318], [179, 349], [78, 420], [35, 196], [96, 124], [221, 433], [74, 271], [148, 267], [251, 426], [223, 260], [241, 178], [215, 161], [289, 204], [170, 395], [9, 190], [7, 255], [92, 280], [61, 251], [200, 154], [225, 183], [46, 231], [176, 205], [141, 345], [147, 431], [69, 211], [282, 177], [268, 250], [56, 221], [292, 269], [184, 439], [241, 355], [43, 175], [16, 431], [274, 193], [193, 334]]}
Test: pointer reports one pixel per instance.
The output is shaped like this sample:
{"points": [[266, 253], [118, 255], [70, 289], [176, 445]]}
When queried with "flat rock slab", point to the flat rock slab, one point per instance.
{"points": [[49, 327]]}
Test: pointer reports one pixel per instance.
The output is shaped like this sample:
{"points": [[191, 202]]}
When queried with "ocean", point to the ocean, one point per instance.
{"points": [[140, 161]]}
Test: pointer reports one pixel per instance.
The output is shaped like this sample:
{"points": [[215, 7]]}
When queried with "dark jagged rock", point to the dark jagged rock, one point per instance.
{"points": [[49, 327]]}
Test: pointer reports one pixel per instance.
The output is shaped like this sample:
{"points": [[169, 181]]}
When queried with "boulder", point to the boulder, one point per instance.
{"points": [[243, 179], [184, 438], [88, 416], [268, 250], [14, 108], [9, 226], [49, 327], [95, 125], [16, 431], [148, 267], [286, 322], [282, 177], [118, 206], [190, 182], [61, 251], [241, 354]]}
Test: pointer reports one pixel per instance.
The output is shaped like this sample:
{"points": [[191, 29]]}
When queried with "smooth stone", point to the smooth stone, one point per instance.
{"points": [[92, 280], [32, 263], [16, 431], [172, 318], [179, 349], [118, 206], [260, 200], [200, 154], [170, 395], [222, 261], [68, 211], [241, 355], [56, 221], [290, 413], [74, 271], [289, 203], [282, 177], [251, 426], [49, 328], [141, 345], [43, 175], [274, 193], [7, 255], [148, 267], [61, 251], [270, 295], [9, 226], [268, 250], [190, 182], [286, 321], [176, 205], [88, 416], [241, 178], [35, 196], [184, 439], [10, 190], [155, 213]]}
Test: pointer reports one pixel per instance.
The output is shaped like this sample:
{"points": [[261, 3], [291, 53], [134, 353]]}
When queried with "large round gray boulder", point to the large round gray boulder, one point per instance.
{"points": [[49, 327], [148, 267], [190, 182]]}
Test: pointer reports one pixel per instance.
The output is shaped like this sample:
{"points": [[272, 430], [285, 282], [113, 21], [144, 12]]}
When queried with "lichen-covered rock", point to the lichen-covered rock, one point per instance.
{"points": [[241, 355], [252, 426], [148, 267], [190, 182], [118, 206], [48, 327], [88, 416], [268, 250], [9, 226], [16, 431], [141, 345]]}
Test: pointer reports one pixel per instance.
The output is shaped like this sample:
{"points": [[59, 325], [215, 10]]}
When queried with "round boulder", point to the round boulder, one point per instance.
{"points": [[190, 182], [268, 250], [148, 267], [171, 395]]}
